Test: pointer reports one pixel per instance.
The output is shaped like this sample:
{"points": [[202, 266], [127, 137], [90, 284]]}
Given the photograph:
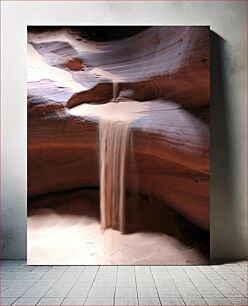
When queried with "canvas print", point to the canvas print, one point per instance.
{"points": [[118, 145]]}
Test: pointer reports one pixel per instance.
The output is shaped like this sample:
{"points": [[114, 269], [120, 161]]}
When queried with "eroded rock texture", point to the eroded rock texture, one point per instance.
{"points": [[168, 66]]}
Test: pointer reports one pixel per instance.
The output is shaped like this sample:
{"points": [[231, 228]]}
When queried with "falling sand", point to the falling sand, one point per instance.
{"points": [[114, 130]]}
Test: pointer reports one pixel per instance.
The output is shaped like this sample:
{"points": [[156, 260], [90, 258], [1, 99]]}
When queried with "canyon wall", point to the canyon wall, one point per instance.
{"points": [[166, 66]]}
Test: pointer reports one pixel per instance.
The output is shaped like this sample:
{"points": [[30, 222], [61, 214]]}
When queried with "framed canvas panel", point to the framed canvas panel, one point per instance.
{"points": [[118, 145]]}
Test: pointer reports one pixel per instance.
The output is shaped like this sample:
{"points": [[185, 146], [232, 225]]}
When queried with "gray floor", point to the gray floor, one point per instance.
{"points": [[123, 285]]}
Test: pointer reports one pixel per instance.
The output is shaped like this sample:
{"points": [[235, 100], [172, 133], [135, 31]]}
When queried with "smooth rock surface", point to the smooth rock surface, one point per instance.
{"points": [[169, 163]]}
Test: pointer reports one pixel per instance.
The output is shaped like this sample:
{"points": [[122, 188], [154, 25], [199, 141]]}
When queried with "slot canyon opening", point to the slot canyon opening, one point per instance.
{"points": [[118, 164]]}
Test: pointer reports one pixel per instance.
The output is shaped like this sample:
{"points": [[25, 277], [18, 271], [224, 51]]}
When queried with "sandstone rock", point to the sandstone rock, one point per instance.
{"points": [[165, 66]]}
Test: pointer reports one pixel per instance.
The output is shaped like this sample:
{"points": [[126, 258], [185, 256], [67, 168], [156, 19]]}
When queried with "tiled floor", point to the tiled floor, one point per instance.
{"points": [[123, 285]]}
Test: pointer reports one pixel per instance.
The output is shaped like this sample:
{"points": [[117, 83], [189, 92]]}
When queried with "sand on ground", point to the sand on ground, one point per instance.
{"points": [[64, 229]]}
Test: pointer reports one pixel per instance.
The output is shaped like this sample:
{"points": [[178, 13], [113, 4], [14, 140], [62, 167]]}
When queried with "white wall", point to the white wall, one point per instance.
{"points": [[228, 114]]}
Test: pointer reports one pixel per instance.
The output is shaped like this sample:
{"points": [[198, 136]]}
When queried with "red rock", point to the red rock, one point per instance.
{"points": [[171, 147]]}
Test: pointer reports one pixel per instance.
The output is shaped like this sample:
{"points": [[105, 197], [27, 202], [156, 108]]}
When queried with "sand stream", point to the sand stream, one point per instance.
{"points": [[115, 119]]}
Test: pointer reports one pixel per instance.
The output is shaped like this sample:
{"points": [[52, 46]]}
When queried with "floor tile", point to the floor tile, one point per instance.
{"points": [[99, 302], [217, 301], [7, 300], [166, 301], [108, 269], [126, 283], [51, 275], [58, 291], [26, 301], [58, 268], [75, 269], [147, 292], [210, 292], [13, 292], [229, 291], [102, 292], [79, 290], [149, 301], [39, 289], [166, 292], [42, 268], [74, 301], [238, 301], [189, 292], [126, 292], [126, 269], [194, 301], [122, 301], [50, 301], [145, 283]]}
